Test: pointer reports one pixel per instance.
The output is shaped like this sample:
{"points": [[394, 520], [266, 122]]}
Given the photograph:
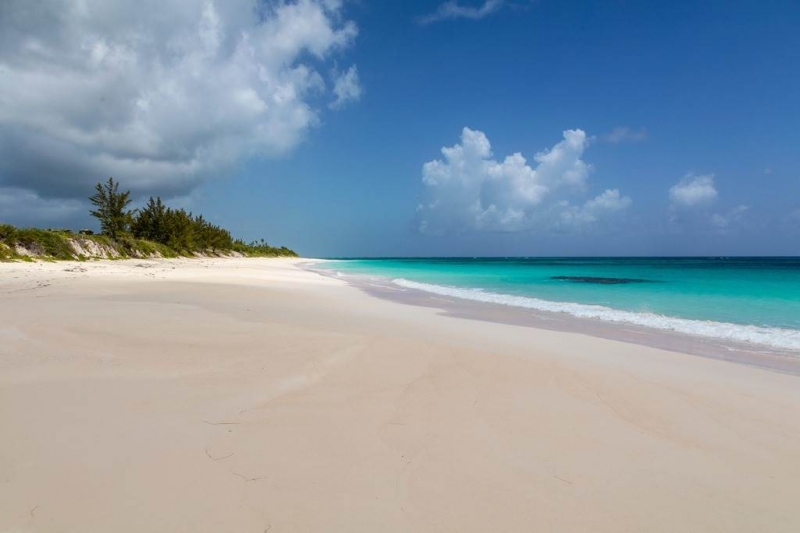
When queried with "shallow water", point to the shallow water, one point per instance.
{"points": [[753, 300]]}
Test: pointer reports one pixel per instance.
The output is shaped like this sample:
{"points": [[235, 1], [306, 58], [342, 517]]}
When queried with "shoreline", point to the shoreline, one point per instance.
{"points": [[250, 394], [750, 354]]}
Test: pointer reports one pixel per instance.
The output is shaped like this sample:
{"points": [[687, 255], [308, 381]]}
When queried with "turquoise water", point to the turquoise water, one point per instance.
{"points": [[744, 299]]}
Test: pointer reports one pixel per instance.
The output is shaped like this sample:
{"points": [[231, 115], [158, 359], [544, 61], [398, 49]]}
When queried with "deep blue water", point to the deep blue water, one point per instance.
{"points": [[705, 296]]}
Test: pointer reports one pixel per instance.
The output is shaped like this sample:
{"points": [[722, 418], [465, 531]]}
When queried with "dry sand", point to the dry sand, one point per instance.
{"points": [[253, 396]]}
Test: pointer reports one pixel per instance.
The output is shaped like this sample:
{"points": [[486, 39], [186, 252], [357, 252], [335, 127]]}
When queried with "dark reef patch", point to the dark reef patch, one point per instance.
{"points": [[600, 281]]}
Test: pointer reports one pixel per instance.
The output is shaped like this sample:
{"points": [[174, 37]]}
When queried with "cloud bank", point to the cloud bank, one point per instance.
{"points": [[31, 209], [160, 95], [454, 10], [469, 190]]}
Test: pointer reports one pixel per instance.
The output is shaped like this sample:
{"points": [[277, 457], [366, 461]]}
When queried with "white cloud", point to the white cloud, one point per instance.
{"points": [[160, 95], [723, 222], [594, 211], [624, 134], [453, 10], [693, 191], [690, 201], [346, 87], [468, 190]]}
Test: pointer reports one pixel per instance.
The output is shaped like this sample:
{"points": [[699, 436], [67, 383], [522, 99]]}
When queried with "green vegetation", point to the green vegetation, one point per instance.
{"points": [[153, 231], [40, 242], [178, 229], [261, 249], [111, 205]]}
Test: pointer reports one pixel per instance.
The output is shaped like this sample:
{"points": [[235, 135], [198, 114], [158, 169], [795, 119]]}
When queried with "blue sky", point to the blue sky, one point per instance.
{"points": [[687, 116]]}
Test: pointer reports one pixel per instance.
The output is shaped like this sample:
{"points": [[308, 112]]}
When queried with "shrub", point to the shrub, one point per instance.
{"points": [[155, 230]]}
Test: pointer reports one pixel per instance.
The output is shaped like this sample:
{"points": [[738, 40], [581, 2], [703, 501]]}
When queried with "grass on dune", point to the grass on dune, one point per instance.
{"points": [[62, 244]]}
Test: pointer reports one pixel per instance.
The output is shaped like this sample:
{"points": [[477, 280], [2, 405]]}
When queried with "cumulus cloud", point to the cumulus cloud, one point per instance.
{"points": [[160, 95], [346, 87], [690, 202], [624, 134], [469, 190], [593, 211], [693, 191], [454, 10]]}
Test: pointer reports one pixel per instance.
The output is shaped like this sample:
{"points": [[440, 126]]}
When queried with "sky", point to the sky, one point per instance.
{"points": [[418, 128]]}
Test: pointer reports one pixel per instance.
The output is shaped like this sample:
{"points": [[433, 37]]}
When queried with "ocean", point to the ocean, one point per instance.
{"points": [[754, 300]]}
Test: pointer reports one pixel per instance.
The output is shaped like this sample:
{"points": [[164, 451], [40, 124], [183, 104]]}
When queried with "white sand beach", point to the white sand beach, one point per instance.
{"points": [[250, 395]]}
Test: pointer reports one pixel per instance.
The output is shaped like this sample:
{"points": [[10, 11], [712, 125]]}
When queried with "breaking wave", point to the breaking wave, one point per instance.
{"points": [[778, 338]]}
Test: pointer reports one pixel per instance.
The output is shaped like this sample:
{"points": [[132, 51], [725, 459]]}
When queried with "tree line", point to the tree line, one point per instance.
{"points": [[177, 229]]}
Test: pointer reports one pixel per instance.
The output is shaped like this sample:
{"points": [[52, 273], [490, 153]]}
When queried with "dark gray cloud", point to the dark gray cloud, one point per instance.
{"points": [[160, 95]]}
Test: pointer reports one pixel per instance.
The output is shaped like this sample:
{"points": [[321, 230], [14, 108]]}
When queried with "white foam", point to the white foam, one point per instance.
{"points": [[782, 339]]}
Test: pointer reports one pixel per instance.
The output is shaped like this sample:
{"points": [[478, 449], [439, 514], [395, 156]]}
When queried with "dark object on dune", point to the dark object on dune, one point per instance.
{"points": [[600, 281], [85, 232]]}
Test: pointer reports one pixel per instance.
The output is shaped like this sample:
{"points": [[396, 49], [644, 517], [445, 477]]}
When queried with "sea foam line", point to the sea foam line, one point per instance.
{"points": [[780, 338]]}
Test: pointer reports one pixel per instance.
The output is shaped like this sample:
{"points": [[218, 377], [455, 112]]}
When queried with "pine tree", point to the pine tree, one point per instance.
{"points": [[151, 222], [111, 204]]}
